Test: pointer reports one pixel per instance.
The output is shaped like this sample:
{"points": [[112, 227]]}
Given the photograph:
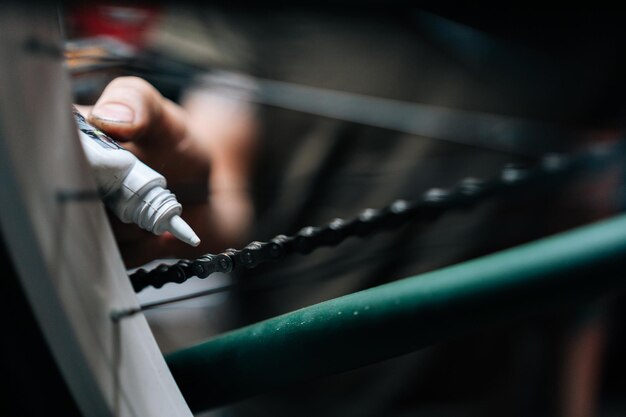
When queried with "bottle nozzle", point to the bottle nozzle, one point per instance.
{"points": [[181, 230]]}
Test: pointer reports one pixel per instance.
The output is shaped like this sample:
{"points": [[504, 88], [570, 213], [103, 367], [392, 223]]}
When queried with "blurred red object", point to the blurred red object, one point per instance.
{"points": [[127, 23]]}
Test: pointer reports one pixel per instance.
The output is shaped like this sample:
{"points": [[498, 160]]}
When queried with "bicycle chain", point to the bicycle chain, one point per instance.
{"points": [[432, 204]]}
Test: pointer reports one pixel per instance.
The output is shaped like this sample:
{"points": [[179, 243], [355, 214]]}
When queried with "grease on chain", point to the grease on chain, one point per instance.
{"points": [[551, 169]]}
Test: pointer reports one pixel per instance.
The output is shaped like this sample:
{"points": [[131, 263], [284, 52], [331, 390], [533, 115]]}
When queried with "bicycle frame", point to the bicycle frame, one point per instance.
{"points": [[403, 316]]}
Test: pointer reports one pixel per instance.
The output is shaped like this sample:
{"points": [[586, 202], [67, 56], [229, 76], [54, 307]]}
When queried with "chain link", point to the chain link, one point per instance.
{"points": [[552, 169]]}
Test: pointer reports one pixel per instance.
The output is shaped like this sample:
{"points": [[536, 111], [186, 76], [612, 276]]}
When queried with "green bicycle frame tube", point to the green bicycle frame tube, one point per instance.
{"points": [[396, 318]]}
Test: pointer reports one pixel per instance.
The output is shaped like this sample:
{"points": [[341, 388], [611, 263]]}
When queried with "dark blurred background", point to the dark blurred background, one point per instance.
{"points": [[561, 71]]}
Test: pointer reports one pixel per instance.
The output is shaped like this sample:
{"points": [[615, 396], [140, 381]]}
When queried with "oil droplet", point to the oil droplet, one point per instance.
{"points": [[356, 313], [304, 322], [278, 328], [339, 313]]}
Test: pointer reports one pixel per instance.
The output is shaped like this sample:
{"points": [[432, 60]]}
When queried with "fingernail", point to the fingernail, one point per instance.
{"points": [[113, 112]]}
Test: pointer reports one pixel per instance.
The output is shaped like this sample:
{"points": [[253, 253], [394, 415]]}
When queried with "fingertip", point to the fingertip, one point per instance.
{"points": [[118, 113], [116, 119], [127, 106]]}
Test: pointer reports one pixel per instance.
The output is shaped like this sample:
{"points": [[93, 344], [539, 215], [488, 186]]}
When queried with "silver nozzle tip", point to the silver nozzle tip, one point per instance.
{"points": [[182, 231]]}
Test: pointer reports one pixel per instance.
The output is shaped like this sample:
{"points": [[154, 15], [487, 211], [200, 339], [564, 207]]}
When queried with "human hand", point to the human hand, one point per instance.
{"points": [[174, 142]]}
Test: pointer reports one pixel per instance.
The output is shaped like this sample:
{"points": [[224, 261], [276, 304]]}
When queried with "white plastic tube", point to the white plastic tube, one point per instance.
{"points": [[133, 191]]}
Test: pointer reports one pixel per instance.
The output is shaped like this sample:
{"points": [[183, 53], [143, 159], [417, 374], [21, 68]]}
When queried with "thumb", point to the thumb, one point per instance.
{"points": [[130, 109]]}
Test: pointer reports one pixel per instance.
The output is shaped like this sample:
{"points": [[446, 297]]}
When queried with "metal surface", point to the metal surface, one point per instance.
{"points": [[400, 317], [491, 131], [471, 128]]}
